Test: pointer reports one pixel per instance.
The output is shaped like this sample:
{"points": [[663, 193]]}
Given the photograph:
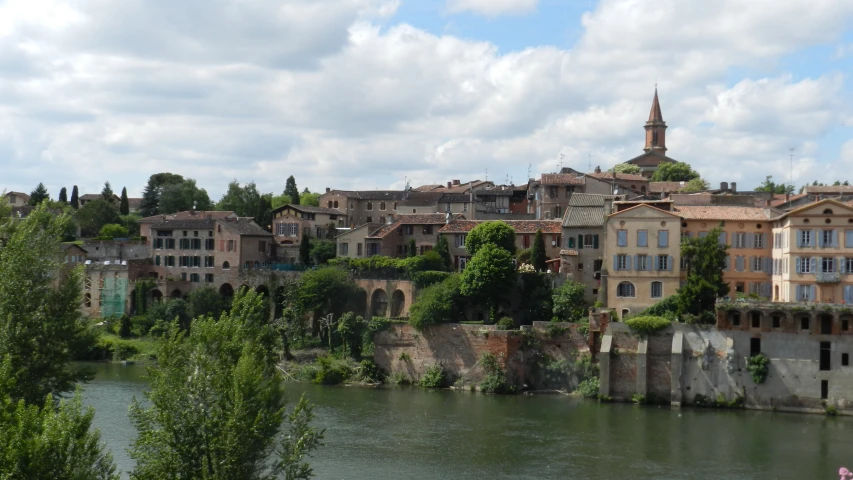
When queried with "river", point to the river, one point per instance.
{"points": [[411, 433]]}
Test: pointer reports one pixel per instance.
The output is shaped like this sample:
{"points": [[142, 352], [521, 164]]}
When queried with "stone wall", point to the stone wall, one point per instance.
{"points": [[685, 363], [458, 348]]}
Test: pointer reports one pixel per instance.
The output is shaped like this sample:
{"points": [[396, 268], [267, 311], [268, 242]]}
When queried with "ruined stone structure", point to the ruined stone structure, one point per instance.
{"points": [[387, 298]]}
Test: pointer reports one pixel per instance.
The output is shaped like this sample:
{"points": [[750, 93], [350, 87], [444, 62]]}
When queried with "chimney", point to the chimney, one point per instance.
{"points": [[328, 189], [734, 187], [724, 186], [449, 184], [597, 169], [455, 183]]}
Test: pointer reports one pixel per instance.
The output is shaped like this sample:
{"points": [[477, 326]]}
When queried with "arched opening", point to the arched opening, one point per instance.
{"points": [[625, 313], [262, 290], [734, 318], [625, 289], [226, 290], [156, 296], [360, 301], [378, 303], [754, 319], [88, 300], [176, 293], [226, 266], [398, 300]]}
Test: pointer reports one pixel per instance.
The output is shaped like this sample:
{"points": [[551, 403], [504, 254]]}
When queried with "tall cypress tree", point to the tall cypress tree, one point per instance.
{"points": [[63, 195], [443, 251], [413, 248], [107, 192], [75, 202], [291, 190], [537, 252], [39, 194], [305, 249], [124, 207]]}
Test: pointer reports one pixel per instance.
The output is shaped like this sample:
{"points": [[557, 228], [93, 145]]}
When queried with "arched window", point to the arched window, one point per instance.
{"points": [[226, 265], [336, 204], [657, 290], [828, 211], [329, 203], [625, 289]]}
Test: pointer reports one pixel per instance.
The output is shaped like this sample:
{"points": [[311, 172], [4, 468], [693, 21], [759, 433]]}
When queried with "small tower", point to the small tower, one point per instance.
{"points": [[655, 129]]}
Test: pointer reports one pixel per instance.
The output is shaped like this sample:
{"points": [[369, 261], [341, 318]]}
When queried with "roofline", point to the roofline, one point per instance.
{"points": [[643, 205], [814, 204]]}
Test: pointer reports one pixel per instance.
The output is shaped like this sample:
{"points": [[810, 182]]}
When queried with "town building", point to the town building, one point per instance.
{"points": [[17, 199], [393, 238], [655, 147], [456, 232], [291, 222], [90, 197], [352, 243], [362, 206], [583, 240]]}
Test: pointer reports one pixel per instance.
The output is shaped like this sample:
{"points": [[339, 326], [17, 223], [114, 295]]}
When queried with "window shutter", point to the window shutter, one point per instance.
{"points": [[848, 293], [738, 263], [799, 238], [728, 263], [636, 262], [615, 262], [835, 238], [814, 264], [628, 264], [722, 238], [669, 262], [570, 240], [848, 238], [812, 238], [580, 241], [812, 293], [595, 241], [799, 268], [751, 264], [768, 265], [750, 240], [842, 265]]}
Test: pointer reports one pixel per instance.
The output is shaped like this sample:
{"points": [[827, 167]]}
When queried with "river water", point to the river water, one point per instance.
{"points": [[411, 433]]}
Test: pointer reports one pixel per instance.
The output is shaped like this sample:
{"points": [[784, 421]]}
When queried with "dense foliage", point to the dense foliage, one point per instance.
{"points": [[758, 367], [646, 325], [95, 214], [674, 172], [442, 249], [627, 168], [569, 303], [537, 253], [496, 233], [439, 303], [705, 259], [39, 195], [489, 276]]}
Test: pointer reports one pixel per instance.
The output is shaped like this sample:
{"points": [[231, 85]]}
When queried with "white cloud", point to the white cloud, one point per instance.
{"points": [[493, 8], [335, 93]]}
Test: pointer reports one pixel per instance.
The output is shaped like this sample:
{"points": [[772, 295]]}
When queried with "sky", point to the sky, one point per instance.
{"points": [[370, 94]]}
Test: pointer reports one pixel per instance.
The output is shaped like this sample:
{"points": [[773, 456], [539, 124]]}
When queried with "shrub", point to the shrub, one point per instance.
{"points": [[125, 327], [330, 371], [434, 377], [554, 330], [399, 378], [428, 278], [368, 372], [647, 324], [638, 399], [436, 304], [666, 308], [495, 378], [589, 388], [429, 261], [141, 325], [831, 411], [506, 323], [758, 367], [123, 350]]}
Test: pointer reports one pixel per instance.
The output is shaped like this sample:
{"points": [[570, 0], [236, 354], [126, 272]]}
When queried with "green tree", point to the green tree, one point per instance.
{"points": [[207, 302], [443, 251], [218, 405], [263, 213], [291, 191], [497, 233], [309, 199], [63, 196], [695, 185], [75, 201], [305, 249], [40, 320], [489, 276], [39, 194], [674, 172], [627, 168], [124, 206], [182, 196], [94, 215], [705, 259], [569, 303], [150, 204], [436, 304], [131, 223], [113, 230], [537, 252], [771, 187], [536, 297], [281, 200], [412, 249], [51, 442], [325, 290], [322, 251], [107, 192]]}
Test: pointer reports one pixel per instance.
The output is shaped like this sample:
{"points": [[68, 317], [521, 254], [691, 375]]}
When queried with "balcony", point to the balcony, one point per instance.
{"points": [[828, 277]]}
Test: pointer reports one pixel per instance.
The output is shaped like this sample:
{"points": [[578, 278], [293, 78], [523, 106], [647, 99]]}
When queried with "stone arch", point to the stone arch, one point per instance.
{"points": [[360, 301], [226, 290], [398, 301], [226, 266], [378, 303], [176, 293], [754, 317], [735, 317], [262, 290], [156, 295]]}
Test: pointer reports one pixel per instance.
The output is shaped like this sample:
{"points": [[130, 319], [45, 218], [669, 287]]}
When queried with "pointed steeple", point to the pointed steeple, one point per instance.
{"points": [[655, 128]]}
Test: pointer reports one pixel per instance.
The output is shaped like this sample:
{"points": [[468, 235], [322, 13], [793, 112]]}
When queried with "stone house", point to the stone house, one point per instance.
{"points": [[290, 222], [747, 231], [642, 256], [583, 240], [363, 206], [17, 199], [88, 197], [73, 253], [393, 238], [192, 249], [352, 243], [550, 194], [456, 232], [813, 254]]}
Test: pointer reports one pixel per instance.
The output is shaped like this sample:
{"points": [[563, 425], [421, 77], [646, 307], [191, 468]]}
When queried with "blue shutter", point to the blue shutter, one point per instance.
{"points": [[669, 261], [799, 268], [636, 262], [628, 264], [615, 262], [813, 238], [799, 238], [814, 264], [654, 259], [768, 265], [842, 265], [739, 264], [835, 238], [722, 238], [642, 238], [812, 293], [663, 238], [728, 263], [750, 240], [848, 238], [848, 293]]}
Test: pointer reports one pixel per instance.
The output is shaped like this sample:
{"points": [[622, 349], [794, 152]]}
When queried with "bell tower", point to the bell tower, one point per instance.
{"points": [[655, 129]]}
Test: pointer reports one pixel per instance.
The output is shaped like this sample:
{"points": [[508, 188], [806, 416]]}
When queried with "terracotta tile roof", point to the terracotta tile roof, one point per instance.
{"points": [[666, 187], [619, 176], [829, 201], [779, 199], [427, 188], [420, 199], [455, 198], [828, 189], [19, 194], [520, 226], [584, 217], [414, 219], [560, 179], [717, 212], [309, 209], [188, 215], [245, 226], [650, 158], [369, 194]]}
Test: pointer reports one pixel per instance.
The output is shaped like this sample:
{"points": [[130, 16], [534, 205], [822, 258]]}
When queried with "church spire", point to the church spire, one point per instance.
{"points": [[655, 128]]}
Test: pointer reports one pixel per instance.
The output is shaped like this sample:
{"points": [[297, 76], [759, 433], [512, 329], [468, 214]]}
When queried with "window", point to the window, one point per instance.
{"points": [[756, 320], [777, 321], [625, 289], [158, 243], [739, 240], [382, 206], [209, 243], [226, 265], [758, 241], [824, 389], [825, 353], [756, 264], [643, 262], [194, 277], [464, 207], [184, 244], [827, 238], [806, 265], [848, 238], [777, 240], [157, 260], [848, 265], [663, 238], [754, 346], [343, 249], [621, 262], [657, 289], [369, 219], [195, 244], [329, 204], [427, 229], [170, 261], [369, 206], [805, 293], [231, 245], [262, 246], [208, 277], [804, 323], [589, 241], [359, 249], [185, 233], [184, 276], [804, 238], [622, 238], [408, 229], [663, 262], [460, 240], [208, 262], [169, 244], [827, 265], [703, 234], [845, 325], [525, 241], [642, 238], [735, 319], [845, 359], [336, 204]]}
